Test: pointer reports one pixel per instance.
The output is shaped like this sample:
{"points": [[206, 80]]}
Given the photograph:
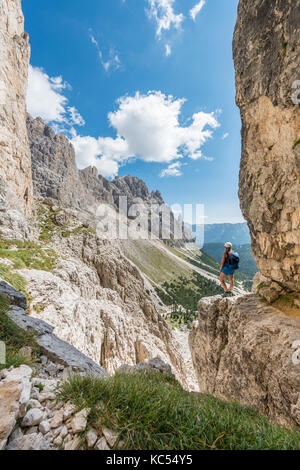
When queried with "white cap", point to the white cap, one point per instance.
{"points": [[228, 245]]}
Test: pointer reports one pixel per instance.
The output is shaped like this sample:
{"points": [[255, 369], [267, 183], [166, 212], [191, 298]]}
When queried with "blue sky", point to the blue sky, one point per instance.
{"points": [[167, 80]]}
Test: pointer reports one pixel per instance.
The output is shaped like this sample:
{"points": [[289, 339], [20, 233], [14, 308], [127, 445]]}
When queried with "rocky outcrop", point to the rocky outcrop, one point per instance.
{"points": [[134, 188], [100, 303], [15, 160], [32, 418], [55, 175], [54, 171], [266, 50], [246, 350], [15, 394], [54, 348]]}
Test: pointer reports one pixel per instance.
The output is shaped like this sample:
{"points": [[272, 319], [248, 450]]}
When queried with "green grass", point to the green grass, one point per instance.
{"points": [[14, 338], [151, 411], [78, 231], [49, 227], [47, 224], [297, 142], [156, 263], [206, 263], [24, 254], [39, 308], [261, 285], [14, 279], [27, 255]]}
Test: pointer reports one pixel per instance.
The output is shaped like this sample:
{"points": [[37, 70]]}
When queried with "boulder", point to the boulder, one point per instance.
{"points": [[155, 364], [14, 296], [266, 51], [79, 422], [73, 445], [110, 436], [33, 417], [102, 444], [44, 427], [246, 350], [91, 438], [69, 410], [10, 393], [56, 349], [58, 418], [29, 442]]}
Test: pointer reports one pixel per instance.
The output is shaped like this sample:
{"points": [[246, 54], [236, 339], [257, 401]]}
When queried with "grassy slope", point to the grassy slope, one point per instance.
{"points": [[177, 284], [153, 262], [20, 255], [151, 411], [15, 339]]}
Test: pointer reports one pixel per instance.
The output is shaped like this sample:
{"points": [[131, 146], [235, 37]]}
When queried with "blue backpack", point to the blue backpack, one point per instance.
{"points": [[233, 261]]}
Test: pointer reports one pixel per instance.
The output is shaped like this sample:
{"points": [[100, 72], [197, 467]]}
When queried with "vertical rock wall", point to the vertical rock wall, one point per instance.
{"points": [[266, 50], [245, 350], [15, 160]]}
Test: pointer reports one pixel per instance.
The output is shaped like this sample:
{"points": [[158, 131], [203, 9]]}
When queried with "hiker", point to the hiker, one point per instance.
{"points": [[229, 265]]}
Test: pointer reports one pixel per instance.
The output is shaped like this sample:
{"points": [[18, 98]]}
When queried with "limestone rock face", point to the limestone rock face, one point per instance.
{"points": [[246, 350], [97, 300], [55, 175], [54, 170], [15, 160], [266, 50]]}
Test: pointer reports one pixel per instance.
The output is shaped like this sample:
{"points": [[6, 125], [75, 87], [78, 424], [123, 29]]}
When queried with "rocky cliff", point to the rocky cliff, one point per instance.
{"points": [[96, 299], [248, 351], [266, 51], [244, 348], [91, 294], [15, 160], [56, 176]]}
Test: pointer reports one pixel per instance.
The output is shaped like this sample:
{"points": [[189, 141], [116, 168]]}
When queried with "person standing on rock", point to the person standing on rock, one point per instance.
{"points": [[229, 265]]}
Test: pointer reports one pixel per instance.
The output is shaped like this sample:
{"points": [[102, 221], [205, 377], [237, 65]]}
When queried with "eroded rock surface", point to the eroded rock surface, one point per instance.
{"points": [[55, 175], [246, 350], [15, 159], [97, 301], [266, 51], [55, 348]]}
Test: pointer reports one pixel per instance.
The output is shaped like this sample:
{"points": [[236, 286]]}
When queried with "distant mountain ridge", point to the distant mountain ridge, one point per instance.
{"points": [[221, 233], [247, 261], [55, 175]]}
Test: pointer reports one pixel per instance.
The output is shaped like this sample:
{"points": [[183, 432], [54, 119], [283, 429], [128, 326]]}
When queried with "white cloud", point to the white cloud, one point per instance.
{"points": [[45, 100], [173, 170], [76, 118], [196, 9], [147, 128], [162, 12], [43, 96], [168, 50], [113, 61], [225, 136]]}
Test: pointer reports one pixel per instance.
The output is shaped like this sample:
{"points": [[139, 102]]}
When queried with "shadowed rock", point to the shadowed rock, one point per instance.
{"points": [[246, 350]]}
